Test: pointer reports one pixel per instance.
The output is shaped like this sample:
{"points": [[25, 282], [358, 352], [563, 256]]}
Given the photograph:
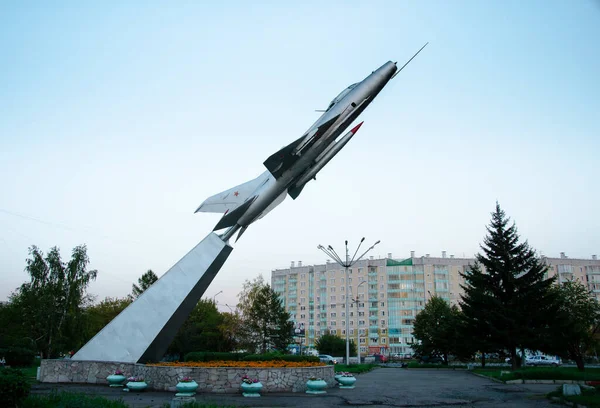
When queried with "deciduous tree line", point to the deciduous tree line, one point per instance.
{"points": [[53, 314], [510, 304]]}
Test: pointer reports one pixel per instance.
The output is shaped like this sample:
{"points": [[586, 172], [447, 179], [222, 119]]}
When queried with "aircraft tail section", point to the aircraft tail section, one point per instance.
{"points": [[231, 199], [231, 218]]}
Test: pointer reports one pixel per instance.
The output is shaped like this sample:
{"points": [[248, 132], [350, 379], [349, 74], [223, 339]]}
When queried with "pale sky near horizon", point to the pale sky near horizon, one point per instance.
{"points": [[117, 119]]}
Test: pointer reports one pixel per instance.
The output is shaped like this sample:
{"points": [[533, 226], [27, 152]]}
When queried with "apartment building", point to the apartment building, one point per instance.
{"points": [[385, 295]]}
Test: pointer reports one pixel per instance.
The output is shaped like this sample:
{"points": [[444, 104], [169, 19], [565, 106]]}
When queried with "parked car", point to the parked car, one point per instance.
{"points": [[543, 360], [326, 358], [380, 358], [431, 360]]}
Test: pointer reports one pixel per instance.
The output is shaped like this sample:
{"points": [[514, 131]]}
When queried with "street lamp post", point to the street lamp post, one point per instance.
{"points": [[218, 293], [330, 252], [357, 300]]}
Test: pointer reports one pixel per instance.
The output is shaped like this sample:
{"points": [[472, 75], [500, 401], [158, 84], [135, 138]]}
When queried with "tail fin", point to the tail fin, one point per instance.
{"points": [[231, 218], [231, 199]]}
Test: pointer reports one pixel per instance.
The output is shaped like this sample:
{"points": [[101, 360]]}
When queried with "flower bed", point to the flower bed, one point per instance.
{"points": [[240, 364]]}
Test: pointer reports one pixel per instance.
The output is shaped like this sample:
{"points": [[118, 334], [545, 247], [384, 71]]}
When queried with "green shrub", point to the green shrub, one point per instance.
{"points": [[18, 356], [14, 387], [213, 356], [354, 368], [282, 357], [71, 400]]}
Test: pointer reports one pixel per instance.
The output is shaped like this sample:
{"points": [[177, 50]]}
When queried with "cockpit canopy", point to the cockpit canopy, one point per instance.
{"points": [[340, 96]]}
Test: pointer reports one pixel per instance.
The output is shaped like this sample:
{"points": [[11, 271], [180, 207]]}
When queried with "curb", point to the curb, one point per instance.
{"points": [[567, 403], [521, 381], [486, 377]]}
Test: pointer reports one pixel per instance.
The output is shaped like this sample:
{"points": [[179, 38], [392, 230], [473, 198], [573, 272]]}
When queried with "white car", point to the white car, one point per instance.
{"points": [[543, 360], [326, 358]]}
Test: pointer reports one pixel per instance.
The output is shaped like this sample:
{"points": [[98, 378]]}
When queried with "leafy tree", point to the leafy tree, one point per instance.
{"points": [[99, 315], [334, 345], [51, 304], [265, 323], [436, 329], [509, 304], [13, 333], [230, 329], [577, 320], [200, 332], [144, 282]]}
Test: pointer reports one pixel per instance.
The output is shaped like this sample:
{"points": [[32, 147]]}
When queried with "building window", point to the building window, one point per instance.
{"points": [[303, 276], [382, 303], [380, 278], [302, 316], [333, 314], [302, 307], [383, 312], [332, 298], [383, 331], [332, 289], [302, 284], [381, 295], [343, 314], [303, 292], [383, 323], [332, 323], [383, 341]]}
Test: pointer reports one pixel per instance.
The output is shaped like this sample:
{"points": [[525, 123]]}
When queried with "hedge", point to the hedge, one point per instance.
{"points": [[213, 356], [18, 356], [14, 387], [282, 357]]}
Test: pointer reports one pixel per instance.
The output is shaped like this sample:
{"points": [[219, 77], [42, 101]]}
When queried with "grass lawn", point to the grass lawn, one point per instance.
{"points": [[589, 398], [30, 373], [541, 373], [77, 400], [354, 368]]}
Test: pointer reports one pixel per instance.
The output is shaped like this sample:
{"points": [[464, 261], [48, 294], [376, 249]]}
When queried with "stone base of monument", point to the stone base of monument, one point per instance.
{"points": [[182, 401], [165, 378]]}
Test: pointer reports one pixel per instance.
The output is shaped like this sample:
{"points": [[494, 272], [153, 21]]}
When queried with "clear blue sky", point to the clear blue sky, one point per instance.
{"points": [[117, 119]]}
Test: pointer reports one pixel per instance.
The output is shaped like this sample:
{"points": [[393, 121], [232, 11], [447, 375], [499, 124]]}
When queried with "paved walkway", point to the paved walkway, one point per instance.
{"points": [[383, 387]]}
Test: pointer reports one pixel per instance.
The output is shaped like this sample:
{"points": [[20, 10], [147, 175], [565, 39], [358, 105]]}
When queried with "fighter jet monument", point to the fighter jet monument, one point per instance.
{"points": [[144, 330]]}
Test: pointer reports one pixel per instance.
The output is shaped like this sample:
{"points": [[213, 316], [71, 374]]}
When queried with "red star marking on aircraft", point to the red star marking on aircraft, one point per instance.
{"points": [[236, 194]]}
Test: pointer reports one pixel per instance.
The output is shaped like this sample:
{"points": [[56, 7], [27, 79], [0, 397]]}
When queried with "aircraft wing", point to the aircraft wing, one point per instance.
{"points": [[285, 158], [231, 199]]}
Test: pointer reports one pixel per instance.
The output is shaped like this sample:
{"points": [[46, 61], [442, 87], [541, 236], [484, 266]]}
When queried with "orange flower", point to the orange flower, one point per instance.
{"points": [[240, 364]]}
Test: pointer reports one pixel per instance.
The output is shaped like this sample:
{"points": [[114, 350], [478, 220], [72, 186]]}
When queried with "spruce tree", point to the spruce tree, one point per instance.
{"points": [[507, 302]]}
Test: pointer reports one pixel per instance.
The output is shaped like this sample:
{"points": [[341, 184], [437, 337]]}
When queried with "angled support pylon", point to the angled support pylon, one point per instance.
{"points": [[144, 330]]}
